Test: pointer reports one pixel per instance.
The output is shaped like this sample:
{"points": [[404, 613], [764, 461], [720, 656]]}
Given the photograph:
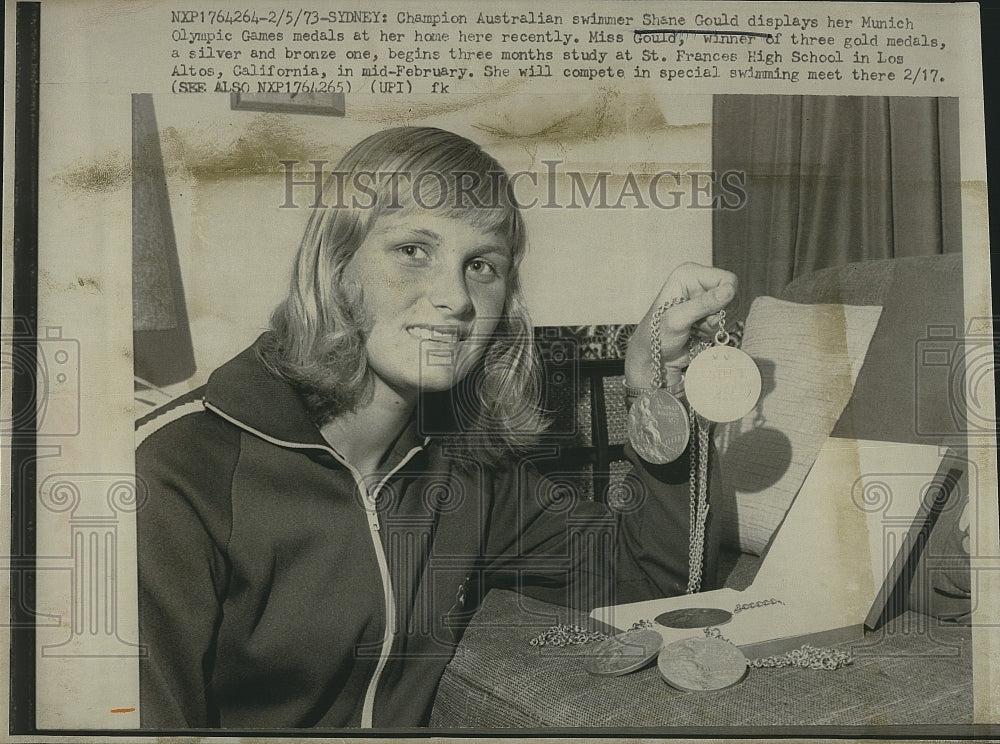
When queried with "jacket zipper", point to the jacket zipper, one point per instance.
{"points": [[374, 528], [368, 707]]}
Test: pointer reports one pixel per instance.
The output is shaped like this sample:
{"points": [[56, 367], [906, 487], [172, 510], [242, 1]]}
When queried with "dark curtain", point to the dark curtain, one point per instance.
{"points": [[831, 180]]}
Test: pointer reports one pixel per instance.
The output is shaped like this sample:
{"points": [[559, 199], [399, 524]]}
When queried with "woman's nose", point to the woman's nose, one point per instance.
{"points": [[450, 293]]}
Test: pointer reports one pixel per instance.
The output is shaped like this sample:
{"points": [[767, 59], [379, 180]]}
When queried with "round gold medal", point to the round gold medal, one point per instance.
{"points": [[658, 427], [722, 384], [622, 653], [699, 664]]}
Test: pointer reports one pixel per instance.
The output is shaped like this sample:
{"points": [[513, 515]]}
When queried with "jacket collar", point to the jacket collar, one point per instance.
{"points": [[247, 393]]}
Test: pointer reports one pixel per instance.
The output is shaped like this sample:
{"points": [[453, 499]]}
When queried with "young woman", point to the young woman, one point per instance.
{"points": [[322, 513]]}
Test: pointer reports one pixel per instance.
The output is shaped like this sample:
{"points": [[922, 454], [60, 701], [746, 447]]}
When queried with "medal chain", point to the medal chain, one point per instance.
{"points": [[569, 635], [722, 338], [806, 657], [655, 350], [698, 476], [560, 636], [693, 493], [754, 605], [698, 502]]}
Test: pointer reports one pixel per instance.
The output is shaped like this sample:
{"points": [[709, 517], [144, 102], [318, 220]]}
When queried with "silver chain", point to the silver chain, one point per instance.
{"points": [[693, 493], [698, 501], [806, 657], [561, 636], [722, 338], [722, 335], [655, 350], [754, 605], [698, 481], [698, 476]]}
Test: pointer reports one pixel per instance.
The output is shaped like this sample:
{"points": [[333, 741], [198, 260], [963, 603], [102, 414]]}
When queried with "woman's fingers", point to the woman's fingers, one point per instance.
{"points": [[696, 278], [708, 327], [699, 308], [706, 290]]}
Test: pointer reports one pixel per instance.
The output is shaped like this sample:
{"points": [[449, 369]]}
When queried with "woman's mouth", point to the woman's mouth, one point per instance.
{"points": [[440, 334]]}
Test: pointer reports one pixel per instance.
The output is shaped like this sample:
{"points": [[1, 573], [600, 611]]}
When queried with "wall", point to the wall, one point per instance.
{"points": [[584, 265]]}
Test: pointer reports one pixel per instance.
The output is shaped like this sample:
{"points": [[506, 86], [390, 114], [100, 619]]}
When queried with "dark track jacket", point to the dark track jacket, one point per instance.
{"points": [[279, 589]]}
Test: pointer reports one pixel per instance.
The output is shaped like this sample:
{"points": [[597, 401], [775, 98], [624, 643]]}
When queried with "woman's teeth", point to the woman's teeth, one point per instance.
{"points": [[443, 335]]}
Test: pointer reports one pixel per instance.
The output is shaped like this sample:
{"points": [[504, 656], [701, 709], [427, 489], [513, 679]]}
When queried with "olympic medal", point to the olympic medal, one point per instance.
{"points": [[694, 617], [722, 384], [622, 653], [700, 664], [658, 427]]}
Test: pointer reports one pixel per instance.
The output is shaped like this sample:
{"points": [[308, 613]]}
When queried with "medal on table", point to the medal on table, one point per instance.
{"points": [[694, 617], [623, 653], [702, 664]]}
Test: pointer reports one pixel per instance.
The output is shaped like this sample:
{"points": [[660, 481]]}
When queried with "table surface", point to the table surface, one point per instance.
{"points": [[916, 671]]}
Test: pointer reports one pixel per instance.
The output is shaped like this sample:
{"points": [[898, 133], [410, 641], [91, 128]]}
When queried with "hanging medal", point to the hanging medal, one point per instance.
{"points": [[659, 427], [723, 382], [657, 422]]}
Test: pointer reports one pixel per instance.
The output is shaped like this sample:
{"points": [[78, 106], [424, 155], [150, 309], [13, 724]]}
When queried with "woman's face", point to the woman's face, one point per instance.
{"points": [[433, 289]]}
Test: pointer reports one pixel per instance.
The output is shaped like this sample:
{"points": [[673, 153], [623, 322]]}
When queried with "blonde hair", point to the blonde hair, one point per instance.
{"points": [[318, 332]]}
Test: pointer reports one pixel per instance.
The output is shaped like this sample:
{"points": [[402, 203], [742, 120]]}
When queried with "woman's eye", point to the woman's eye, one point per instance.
{"points": [[414, 252], [482, 269]]}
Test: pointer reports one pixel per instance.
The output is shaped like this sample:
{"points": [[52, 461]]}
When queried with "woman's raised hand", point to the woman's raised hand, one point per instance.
{"points": [[707, 291]]}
